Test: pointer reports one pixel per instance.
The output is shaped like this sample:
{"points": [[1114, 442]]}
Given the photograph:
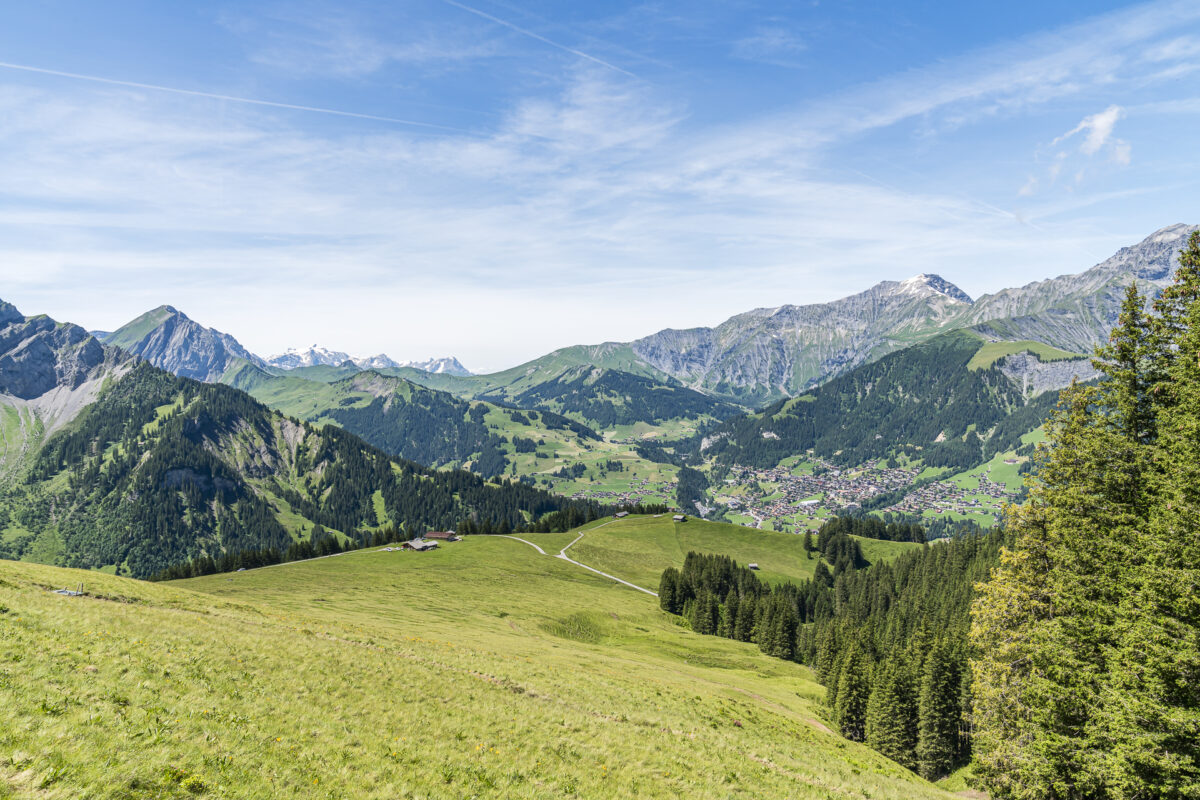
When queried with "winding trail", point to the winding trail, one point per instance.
{"points": [[526, 541], [563, 555]]}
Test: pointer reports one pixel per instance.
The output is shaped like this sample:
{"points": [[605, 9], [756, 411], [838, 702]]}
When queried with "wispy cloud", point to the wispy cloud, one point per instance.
{"points": [[225, 97], [594, 207], [333, 41], [774, 45], [537, 36]]}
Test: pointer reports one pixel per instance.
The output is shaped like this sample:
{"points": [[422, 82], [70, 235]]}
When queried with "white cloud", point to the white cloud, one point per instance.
{"points": [[1097, 130], [770, 44]]}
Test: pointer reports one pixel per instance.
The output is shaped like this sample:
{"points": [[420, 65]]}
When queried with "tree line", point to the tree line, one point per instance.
{"points": [[889, 643], [1087, 674]]}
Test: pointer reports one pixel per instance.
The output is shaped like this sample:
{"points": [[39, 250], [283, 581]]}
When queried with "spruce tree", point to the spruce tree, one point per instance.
{"points": [[1045, 622], [853, 691], [668, 587], [1087, 682], [1152, 705], [1128, 361], [939, 713], [891, 716], [743, 629]]}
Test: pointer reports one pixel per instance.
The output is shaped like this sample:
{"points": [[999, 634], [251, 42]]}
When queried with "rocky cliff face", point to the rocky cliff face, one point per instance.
{"points": [[49, 372], [169, 339], [38, 355], [1076, 312], [1035, 376], [771, 352]]}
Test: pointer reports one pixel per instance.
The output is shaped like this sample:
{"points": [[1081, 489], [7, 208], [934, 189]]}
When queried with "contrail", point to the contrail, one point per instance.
{"points": [[230, 98], [540, 38]]}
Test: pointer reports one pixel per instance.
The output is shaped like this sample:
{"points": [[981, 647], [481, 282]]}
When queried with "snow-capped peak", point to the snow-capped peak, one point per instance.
{"points": [[293, 358], [925, 283], [448, 365]]}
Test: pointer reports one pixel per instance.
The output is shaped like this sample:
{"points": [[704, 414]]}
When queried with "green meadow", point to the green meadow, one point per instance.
{"points": [[639, 548], [481, 669]]}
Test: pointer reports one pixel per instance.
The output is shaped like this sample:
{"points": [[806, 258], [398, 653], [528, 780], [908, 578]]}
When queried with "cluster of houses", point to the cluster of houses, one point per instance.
{"points": [[945, 497], [833, 489]]}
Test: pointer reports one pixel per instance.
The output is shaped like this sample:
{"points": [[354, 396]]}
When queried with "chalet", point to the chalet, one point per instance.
{"points": [[446, 536], [620, 514], [752, 566], [679, 518], [420, 545]]}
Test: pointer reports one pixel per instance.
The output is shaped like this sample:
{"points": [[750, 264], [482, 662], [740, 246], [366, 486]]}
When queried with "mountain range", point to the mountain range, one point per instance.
{"points": [[129, 452], [751, 359], [315, 356], [771, 353]]}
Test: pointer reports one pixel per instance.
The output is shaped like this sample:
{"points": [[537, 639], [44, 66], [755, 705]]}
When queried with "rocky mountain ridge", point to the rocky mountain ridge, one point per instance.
{"points": [[169, 339]]}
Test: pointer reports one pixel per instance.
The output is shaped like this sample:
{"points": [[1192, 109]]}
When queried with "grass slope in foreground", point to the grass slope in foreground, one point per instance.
{"points": [[482, 669], [639, 548]]}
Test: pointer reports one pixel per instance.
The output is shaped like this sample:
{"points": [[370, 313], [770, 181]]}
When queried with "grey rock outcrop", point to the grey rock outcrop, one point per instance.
{"points": [[38, 354], [1035, 376], [170, 340]]}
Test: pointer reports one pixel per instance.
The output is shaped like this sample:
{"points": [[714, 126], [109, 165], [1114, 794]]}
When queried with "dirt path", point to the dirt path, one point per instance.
{"points": [[526, 541], [563, 555]]}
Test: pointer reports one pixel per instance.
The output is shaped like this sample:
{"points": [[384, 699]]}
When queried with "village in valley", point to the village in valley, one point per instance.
{"points": [[803, 492]]}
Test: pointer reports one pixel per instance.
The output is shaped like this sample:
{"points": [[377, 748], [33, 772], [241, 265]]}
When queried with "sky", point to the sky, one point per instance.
{"points": [[493, 179]]}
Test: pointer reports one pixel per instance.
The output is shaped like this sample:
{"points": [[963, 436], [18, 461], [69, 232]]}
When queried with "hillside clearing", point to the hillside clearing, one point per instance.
{"points": [[480, 669]]}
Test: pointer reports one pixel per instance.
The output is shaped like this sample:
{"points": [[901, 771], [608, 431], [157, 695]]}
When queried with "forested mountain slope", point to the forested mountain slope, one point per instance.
{"points": [[154, 469], [925, 403], [409, 420], [605, 398]]}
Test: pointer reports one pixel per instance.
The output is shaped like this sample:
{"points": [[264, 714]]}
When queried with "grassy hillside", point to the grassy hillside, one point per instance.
{"points": [[481, 669], [162, 469], [134, 331], [639, 548]]}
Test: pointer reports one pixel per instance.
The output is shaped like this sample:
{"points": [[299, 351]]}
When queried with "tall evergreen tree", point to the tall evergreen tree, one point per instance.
{"points": [[1087, 683], [939, 713], [853, 692], [891, 717], [1152, 707]]}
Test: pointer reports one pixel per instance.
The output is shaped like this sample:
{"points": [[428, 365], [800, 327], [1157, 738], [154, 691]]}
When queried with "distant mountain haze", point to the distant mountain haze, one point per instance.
{"points": [[753, 358]]}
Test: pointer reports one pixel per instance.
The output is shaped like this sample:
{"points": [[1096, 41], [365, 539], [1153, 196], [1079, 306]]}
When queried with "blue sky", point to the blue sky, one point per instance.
{"points": [[497, 178]]}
